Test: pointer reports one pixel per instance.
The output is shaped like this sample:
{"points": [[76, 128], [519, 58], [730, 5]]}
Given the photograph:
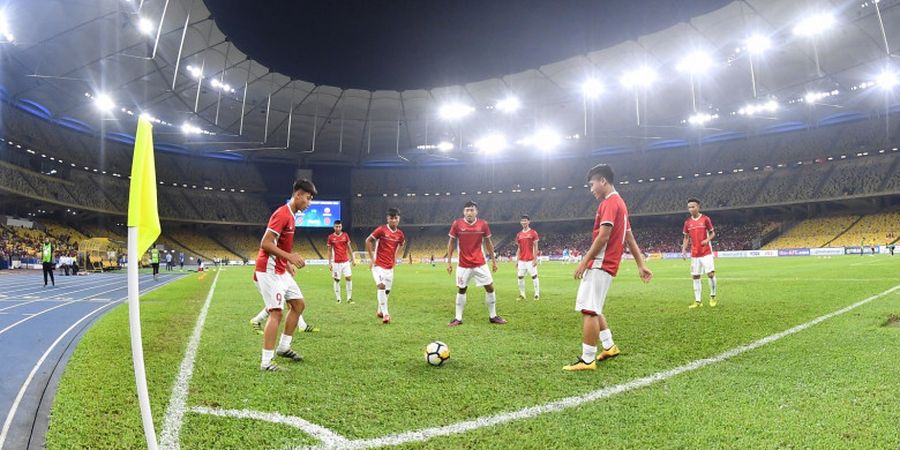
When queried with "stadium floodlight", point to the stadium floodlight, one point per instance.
{"points": [[510, 104], [641, 77], [455, 111], [4, 29], [104, 102], [701, 118], [145, 26], [445, 146], [546, 139], [492, 143], [757, 44], [592, 88], [887, 79], [751, 109], [695, 63], [815, 24], [195, 72], [187, 128]]}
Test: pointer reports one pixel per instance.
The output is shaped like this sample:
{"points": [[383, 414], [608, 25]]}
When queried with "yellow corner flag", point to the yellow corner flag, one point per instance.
{"points": [[142, 211]]}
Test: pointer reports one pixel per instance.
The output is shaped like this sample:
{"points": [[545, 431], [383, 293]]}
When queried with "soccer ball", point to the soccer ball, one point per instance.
{"points": [[436, 353]]}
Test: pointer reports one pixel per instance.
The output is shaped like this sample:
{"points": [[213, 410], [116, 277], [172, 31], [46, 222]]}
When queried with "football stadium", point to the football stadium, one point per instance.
{"points": [[509, 224]]}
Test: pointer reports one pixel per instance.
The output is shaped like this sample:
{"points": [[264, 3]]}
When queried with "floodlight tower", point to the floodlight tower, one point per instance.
{"points": [[639, 80]]}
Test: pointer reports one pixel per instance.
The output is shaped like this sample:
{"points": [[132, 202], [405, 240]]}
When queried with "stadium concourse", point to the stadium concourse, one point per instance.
{"points": [[780, 119]]}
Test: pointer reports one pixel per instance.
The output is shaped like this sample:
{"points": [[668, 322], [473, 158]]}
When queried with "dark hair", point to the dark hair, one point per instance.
{"points": [[393, 212], [470, 204], [694, 200], [604, 171], [525, 216], [337, 222], [305, 185]]}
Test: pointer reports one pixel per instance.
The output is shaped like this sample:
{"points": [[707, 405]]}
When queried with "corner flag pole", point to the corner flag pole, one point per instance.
{"points": [[143, 229]]}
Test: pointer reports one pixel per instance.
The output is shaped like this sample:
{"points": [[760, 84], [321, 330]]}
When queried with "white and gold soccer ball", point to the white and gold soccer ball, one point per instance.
{"points": [[436, 353]]}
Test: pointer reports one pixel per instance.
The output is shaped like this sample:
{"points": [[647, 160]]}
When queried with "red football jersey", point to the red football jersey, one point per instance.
{"points": [[526, 240], [282, 224], [612, 211], [698, 229], [386, 246], [469, 239], [341, 246]]}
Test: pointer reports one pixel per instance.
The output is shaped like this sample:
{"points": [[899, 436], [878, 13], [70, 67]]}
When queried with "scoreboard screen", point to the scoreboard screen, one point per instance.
{"points": [[319, 214]]}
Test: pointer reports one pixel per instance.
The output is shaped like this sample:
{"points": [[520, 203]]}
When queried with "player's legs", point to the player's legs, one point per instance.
{"points": [[589, 302], [46, 271], [534, 280], [484, 278], [346, 272], [463, 275], [349, 282], [712, 287], [696, 271], [336, 284], [290, 325], [520, 273]]}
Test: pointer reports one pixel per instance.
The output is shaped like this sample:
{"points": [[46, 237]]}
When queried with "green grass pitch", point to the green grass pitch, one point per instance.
{"points": [[834, 385]]}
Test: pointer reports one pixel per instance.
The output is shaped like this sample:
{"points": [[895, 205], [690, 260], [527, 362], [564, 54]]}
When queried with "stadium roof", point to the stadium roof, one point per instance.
{"points": [[65, 54]]}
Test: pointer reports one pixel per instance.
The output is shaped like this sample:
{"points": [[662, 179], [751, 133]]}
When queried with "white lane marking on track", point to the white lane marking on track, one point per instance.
{"points": [[4, 432]]}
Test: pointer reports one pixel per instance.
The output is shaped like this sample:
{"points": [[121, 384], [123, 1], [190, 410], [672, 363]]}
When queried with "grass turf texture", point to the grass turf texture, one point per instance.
{"points": [[832, 385]]}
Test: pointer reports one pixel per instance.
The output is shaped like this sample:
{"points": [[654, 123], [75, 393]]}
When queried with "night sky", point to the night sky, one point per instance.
{"points": [[414, 44]]}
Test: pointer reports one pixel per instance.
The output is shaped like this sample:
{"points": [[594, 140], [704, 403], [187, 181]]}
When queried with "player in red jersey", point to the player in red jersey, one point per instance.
{"points": [[340, 258], [274, 276], [612, 231], [386, 242], [527, 241], [471, 233], [698, 229]]}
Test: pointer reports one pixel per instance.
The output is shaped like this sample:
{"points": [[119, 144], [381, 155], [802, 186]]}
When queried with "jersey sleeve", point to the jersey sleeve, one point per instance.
{"points": [[486, 229], [377, 234], [709, 225], [277, 223], [402, 239], [685, 229], [536, 236], [329, 242], [454, 229], [608, 212]]}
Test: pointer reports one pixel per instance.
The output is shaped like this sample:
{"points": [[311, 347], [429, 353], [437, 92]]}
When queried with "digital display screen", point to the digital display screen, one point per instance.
{"points": [[319, 214]]}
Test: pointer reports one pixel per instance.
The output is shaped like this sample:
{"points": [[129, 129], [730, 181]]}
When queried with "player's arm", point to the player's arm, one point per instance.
{"points": [[451, 245], [489, 245], [710, 235], [684, 244], [370, 244], [352, 256], [399, 250], [643, 271], [535, 250], [330, 255], [268, 245], [599, 243]]}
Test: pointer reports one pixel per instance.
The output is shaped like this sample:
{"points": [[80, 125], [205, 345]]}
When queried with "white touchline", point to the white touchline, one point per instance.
{"points": [[570, 402], [171, 431], [12, 410], [328, 437]]}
